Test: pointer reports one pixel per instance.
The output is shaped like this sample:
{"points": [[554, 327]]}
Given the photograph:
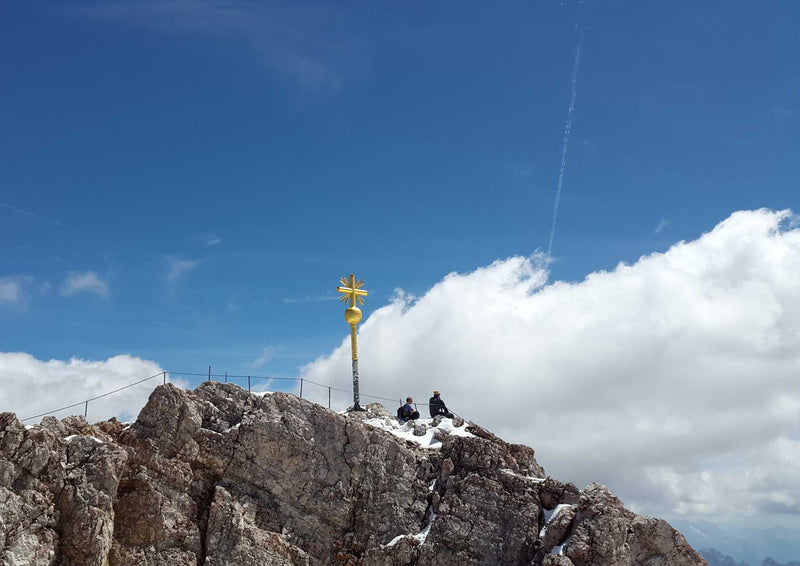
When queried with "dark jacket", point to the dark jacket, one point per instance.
{"points": [[407, 413], [437, 406]]}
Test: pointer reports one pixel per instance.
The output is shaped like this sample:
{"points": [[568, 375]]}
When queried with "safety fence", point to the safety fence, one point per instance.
{"points": [[316, 392]]}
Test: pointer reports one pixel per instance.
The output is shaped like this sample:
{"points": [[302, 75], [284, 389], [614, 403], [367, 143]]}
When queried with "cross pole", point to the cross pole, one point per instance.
{"points": [[352, 292]]}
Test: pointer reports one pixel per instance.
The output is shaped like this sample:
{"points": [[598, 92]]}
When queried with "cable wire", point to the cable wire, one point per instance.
{"points": [[164, 374]]}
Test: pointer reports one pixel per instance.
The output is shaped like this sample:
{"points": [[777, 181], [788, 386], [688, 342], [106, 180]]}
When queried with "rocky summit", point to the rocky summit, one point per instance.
{"points": [[219, 476]]}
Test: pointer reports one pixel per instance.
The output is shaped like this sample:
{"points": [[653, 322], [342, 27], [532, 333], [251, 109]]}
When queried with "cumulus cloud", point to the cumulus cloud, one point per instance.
{"points": [[673, 380], [31, 386], [178, 267], [88, 282]]}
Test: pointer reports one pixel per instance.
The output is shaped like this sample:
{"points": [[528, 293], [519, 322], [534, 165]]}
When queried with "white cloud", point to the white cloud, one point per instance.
{"points": [[178, 267], [30, 386], [660, 226], [266, 355], [14, 289], [212, 240], [10, 290], [673, 380], [88, 282]]}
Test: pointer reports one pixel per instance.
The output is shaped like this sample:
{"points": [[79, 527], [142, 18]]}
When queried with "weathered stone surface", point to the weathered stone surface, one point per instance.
{"points": [[219, 476], [86, 504], [553, 492], [559, 528], [234, 537], [556, 560], [56, 494], [605, 532], [655, 543]]}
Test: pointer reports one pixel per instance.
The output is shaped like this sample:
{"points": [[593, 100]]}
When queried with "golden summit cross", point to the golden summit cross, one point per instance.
{"points": [[353, 292]]}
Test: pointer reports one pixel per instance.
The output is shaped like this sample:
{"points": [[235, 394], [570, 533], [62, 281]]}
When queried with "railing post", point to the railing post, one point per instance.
{"points": [[248, 383], [86, 410], [209, 373], [165, 377], [301, 387], [329, 396], [226, 377]]}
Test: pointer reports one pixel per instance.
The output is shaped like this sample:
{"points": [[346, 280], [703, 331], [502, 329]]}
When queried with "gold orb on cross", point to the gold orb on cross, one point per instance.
{"points": [[352, 315]]}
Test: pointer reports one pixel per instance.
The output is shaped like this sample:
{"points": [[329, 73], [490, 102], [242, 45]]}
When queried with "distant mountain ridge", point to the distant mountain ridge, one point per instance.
{"points": [[751, 544], [219, 476], [716, 558]]}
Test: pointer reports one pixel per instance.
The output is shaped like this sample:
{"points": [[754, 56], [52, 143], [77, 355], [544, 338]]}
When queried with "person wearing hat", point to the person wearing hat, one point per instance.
{"points": [[437, 406]]}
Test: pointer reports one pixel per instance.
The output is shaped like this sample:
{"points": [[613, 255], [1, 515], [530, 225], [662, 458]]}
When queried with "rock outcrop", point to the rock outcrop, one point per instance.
{"points": [[219, 476]]}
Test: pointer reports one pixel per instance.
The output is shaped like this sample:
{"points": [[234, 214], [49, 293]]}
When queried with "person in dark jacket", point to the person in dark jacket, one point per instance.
{"points": [[437, 406], [407, 412]]}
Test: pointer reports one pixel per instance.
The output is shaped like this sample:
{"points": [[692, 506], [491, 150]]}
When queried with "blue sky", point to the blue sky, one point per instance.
{"points": [[281, 146], [185, 181]]}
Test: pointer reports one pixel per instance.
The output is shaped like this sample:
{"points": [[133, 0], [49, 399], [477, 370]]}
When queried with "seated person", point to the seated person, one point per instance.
{"points": [[407, 412], [437, 406]]}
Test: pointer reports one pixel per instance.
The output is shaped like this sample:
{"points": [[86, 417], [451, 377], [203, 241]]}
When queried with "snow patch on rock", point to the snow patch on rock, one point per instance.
{"points": [[428, 439]]}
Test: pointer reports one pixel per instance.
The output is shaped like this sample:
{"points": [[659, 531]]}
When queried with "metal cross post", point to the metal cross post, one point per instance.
{"points": [[352, 315]]}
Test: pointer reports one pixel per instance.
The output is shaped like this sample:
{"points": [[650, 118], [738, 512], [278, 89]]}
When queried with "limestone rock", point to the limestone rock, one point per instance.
{"points": [[86, 504], [553, 492], [557, 560], [559, 528], [219, 476], [606, 532], [234, 537]]}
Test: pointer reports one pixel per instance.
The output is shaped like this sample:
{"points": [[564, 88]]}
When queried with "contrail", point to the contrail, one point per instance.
{"points": [[34, 215], [567, 129]]}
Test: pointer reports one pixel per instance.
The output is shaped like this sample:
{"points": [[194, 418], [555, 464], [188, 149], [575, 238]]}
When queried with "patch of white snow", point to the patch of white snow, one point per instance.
{"points": [[548, 516], [515, 474], [560, 548], [73, 436], [406, 430], [423, 534], [420, 536], [395, 540]]}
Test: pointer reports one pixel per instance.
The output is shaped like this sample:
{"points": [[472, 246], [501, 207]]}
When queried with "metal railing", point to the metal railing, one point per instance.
{"points": [[226, 378]]}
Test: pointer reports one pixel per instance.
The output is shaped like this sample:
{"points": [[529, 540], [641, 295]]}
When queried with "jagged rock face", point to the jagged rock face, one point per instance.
{"points": [[219, 476]]}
